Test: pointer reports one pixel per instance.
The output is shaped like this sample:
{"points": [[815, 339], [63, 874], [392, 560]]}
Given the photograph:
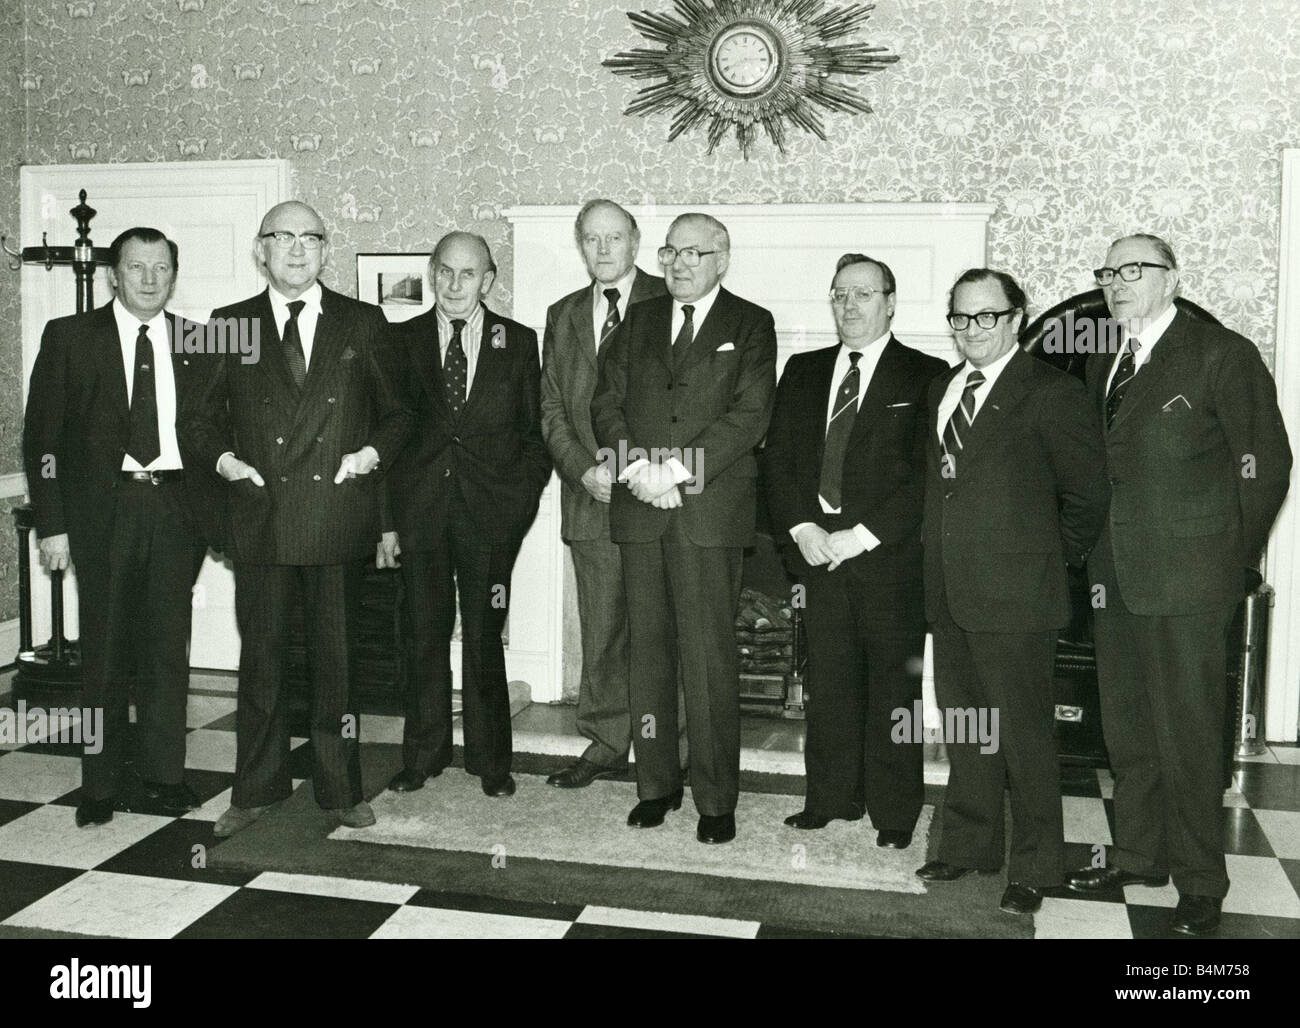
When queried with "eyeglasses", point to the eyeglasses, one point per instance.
{"points": [[690, 255], [285, 240], [858, 294], [984, 319], [1128, 272]]}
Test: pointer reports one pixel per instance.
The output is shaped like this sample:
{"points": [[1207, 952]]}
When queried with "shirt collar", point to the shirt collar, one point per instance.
{"points": [[128, 325], [702, 306], [845, 348], [623, 285], [280, 303], [1152, 331], [991, 371], [473, 323]]}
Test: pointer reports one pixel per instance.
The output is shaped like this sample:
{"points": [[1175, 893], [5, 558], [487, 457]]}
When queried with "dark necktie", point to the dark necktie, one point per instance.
{"points": [[293, 354], [612, 319], [686, 334], [838, 431], [963, 416], [1125, 372], [455, 369], [143, 442]]}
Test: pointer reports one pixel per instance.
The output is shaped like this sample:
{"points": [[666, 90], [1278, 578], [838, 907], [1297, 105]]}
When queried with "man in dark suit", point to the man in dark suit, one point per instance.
{"points": [[115, 494], [844, 465], [685, 395], [461, 497], [1015, 488], [1199, 464], [296, 435], [578, 328]]}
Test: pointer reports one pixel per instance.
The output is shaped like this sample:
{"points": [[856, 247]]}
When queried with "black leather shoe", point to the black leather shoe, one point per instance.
{"points": [[407, 780], [650, 813], [582, 773], [501, 788], [178, 798], [1197, 915], [715, 828], [1021, 899], [1099, 879], [939, 871], [94, 812], [891, 839], [809, 821]]}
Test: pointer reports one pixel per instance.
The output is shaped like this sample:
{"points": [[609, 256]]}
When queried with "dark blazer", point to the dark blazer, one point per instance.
{"points": [[883, 482], [296, 439], [1185, 519], [569, 373], [714, 401], [493, 453], [78, 415], [1029, 494]]}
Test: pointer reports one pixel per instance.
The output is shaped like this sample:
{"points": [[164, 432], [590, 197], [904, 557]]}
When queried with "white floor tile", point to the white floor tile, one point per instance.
{"points": [[1106, 782], [692, 924], [203, 710], [1286, 754], [381, 728], [1145, 896], [208, 750], [1081, 919], [1282, 828], [49, 835], [1085, 820], [438, 923], [1259, 886], [126, 906], [38, 777], [213, 809], [342, 888]]}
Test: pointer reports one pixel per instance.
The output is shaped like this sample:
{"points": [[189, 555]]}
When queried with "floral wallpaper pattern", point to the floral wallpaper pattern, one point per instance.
{"points": [[404, 118]]}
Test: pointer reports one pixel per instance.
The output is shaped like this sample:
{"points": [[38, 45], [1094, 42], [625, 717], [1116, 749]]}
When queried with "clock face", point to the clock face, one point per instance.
{"points": [[745, 59]]}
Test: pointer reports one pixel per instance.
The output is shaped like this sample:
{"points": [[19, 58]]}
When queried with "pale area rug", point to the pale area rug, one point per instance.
{"points": [[589, 826]]}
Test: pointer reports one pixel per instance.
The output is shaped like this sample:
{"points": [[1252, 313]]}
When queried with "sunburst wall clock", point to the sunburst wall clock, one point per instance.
{"points": [[747, 63]]}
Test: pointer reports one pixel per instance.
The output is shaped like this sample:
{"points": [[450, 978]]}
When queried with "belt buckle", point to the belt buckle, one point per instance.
{"points": [[154, 479]]}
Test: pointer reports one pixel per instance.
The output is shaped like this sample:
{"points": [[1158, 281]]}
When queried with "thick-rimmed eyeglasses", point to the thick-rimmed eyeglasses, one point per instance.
{"points": [[690, 255], [984, 319], [285, 240], [1128, 272], [858, 294]]}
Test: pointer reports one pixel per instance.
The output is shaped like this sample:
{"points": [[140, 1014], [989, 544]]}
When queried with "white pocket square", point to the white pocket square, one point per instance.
{"points": [[1180, 398], [725, 347], [895, 406]]}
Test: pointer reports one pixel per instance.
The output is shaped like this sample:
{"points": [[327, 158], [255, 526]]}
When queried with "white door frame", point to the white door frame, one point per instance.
{"points": [[1283, 568]]}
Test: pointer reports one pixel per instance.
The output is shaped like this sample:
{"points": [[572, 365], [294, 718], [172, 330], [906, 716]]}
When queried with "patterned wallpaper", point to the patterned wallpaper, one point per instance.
{"points": [[12, 127], [404, 118]]}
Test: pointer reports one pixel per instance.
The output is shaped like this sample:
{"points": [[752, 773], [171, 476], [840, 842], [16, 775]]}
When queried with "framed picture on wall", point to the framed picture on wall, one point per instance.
{"points": [[397, 282]]}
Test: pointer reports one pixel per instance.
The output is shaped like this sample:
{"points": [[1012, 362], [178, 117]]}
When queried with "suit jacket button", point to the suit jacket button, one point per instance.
{"points": [[455, 439], [279, 440], [446, 473], [320, 439], [315, 478], [331, 399], [284, 478], [948, 495]]}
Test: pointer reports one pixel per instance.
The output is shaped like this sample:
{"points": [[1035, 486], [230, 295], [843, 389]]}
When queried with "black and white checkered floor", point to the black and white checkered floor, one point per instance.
{"points": [[144, 874]]}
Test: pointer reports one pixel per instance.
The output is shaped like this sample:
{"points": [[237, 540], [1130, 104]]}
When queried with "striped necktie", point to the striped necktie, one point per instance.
{"points": [[1125, 372], [962, 418], [611, 319], [838, 432]]}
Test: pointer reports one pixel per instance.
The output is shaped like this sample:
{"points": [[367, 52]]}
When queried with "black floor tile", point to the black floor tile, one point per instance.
{"points": [[21, 884], [1292, 869], [493, 905], [604, 931], [264, 914], [55, 749], [1154, 922], [11, 810], [225, 723], [173, 852], [1271, 786], [205, 785], [767, 931], [1243, 835], [1109, 807]]}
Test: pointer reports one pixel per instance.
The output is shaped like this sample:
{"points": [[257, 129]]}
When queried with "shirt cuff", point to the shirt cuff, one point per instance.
{"points": [[794, 532], [678, 469], [865, 538], [228, 453], [632, 469]]}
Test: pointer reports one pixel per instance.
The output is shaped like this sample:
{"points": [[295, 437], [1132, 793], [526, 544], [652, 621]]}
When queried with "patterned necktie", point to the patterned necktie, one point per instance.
{"points": [[839, 430], [612, 319], [143, 444], [963, 416], [1125, 372], [293, 354], [686, 334], [455, 369]]}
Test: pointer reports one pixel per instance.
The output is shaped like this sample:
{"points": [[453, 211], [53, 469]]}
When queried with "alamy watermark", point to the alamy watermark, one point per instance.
{"points": [[958, 725], [81, 726], [691, 458], [218, 336]]}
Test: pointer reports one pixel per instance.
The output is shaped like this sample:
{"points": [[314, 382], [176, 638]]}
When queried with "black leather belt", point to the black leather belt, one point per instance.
{"points": [[154, 477]]}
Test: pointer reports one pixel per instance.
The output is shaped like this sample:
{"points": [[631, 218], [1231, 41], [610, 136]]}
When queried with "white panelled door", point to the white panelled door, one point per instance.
{"points": [[212, 210]]}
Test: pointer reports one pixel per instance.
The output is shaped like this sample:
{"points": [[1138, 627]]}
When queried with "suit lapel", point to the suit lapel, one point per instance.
{"points": [[656, 334], [581, 315], [937, 388], [326, 345], [1007, 392], [276, 365], [108, 355], [425, 353], [708, 333], [883, 385], [1162, 358], [492, 362]]}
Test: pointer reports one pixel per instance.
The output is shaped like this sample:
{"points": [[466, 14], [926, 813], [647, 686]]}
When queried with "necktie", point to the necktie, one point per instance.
{"points": [[612, 319], [838, 431], [143, 442], [1124, 374], [686, 333], [963, 416], [455, 369], [293, 354]]}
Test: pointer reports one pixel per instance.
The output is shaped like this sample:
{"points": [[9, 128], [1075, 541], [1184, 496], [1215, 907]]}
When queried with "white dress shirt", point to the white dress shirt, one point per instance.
{"points": [[307, 317], [128, 327], [952, 395], [471, 339], [1147, 339], [600, 306]]}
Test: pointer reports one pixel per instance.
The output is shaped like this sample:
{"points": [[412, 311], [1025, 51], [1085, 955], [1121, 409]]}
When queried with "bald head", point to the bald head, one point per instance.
{"points": [[461, 272], [291, 248], [697, 234], [290, 208]]}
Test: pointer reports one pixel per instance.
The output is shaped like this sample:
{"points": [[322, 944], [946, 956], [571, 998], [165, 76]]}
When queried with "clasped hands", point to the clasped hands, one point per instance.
{"points": [[831, 548], [654, 484], [361, 462]]}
